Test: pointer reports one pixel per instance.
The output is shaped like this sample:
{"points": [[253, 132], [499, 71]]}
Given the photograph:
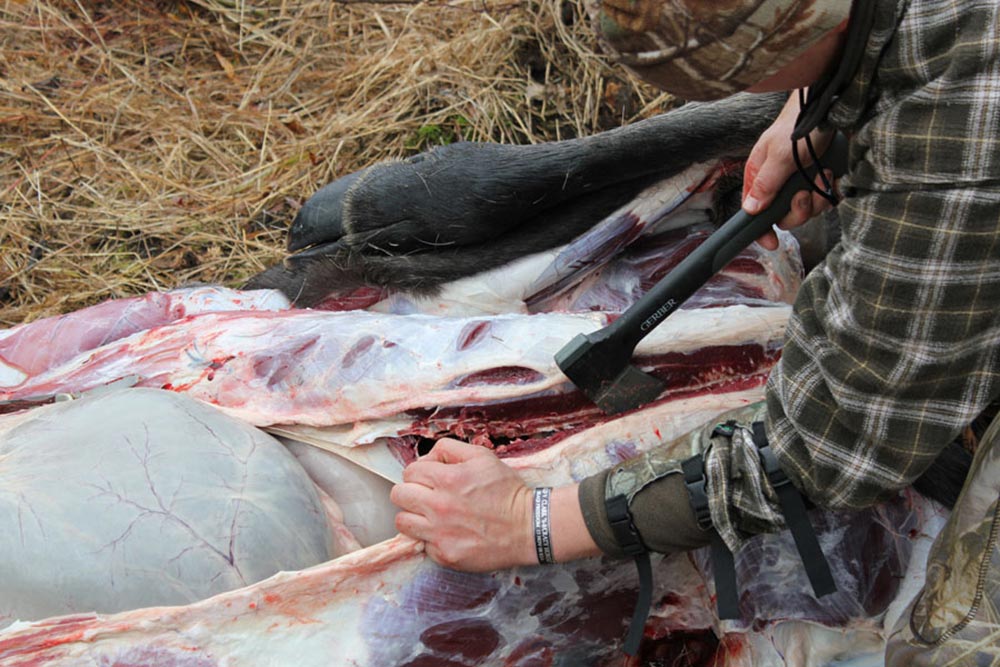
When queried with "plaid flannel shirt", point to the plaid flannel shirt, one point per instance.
{"points": [[892, 347], [893, 344]]}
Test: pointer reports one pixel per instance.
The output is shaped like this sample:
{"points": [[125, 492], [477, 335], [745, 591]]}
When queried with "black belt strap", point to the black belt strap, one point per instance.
{"points": [[794, 509], [723, 564], [628, 539], [727, 599]]}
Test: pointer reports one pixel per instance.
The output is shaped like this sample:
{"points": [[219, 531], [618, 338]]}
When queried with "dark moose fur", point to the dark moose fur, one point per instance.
{"points": [[468, 207]]}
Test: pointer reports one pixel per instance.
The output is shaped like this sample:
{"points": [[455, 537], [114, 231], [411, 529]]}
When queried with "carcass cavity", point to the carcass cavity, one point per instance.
{"points": [[540, 420]]}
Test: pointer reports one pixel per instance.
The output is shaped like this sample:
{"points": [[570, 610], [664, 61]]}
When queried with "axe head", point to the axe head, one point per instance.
{"points": [[602, 370]]}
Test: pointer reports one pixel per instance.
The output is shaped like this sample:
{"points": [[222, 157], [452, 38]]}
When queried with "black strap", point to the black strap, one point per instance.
{"points": [[727, 599], [642, 604], [625, 531], [631, 543], [825, 92], [794, 509], [723, 564]]}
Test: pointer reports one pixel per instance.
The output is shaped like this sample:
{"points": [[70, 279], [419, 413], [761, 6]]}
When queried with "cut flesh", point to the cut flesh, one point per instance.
{"points": [[373, 387], [319, 368], [389, 605]]}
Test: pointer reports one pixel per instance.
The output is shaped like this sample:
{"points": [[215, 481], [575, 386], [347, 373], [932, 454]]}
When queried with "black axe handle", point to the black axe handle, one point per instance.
{"points": [[599, 363]]}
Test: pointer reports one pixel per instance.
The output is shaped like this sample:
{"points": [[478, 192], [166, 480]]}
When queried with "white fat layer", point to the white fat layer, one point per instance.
{"points": [[10, 375], [362, 496], [500, 290], [49, 342], [320, 368], [371, 455], [934, 518], [592, 450], [805, 644]]}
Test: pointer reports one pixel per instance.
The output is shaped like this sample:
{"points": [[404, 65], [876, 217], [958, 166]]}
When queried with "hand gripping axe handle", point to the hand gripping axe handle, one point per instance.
{"points": [[599, 362]]}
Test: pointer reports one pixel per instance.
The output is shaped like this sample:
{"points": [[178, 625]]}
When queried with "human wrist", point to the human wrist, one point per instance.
{"points": [[571, 539], [569, 536], [792, 106], [523, 546]]}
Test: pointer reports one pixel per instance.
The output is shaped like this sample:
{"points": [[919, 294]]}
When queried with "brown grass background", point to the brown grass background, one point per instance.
{"points": [[147, 144]]}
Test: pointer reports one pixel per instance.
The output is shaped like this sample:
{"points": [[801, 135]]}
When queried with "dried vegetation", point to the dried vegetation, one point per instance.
{"points": [[146, 144]]}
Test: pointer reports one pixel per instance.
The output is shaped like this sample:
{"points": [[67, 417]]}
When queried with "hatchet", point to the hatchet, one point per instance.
{"points": [[599, 363]]}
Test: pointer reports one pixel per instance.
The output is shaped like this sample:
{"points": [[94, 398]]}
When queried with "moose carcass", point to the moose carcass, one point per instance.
{"points": [[375, 387]]}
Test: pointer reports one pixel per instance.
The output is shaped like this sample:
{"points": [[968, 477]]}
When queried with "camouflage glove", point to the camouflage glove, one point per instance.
{"points": [[714, 471], [741, 500]]}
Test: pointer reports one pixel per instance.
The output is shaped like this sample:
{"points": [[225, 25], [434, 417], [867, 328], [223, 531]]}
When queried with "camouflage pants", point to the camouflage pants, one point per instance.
{"points": [[955, 620]]}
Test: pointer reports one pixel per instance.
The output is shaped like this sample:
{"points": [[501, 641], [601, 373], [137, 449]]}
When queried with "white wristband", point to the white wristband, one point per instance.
{"points": [[543, 525]]}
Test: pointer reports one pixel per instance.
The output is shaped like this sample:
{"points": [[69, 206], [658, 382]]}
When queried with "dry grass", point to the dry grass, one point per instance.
{"points": [[147, 144]]}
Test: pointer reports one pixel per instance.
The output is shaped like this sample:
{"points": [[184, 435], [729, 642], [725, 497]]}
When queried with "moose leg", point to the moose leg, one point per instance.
{"points": [[469, 193]]}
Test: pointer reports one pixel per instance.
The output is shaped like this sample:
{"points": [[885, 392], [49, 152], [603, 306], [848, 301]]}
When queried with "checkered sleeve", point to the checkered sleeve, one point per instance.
{"points": [[893, 345]]}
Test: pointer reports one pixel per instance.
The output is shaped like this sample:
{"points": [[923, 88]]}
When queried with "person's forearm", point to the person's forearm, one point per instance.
{"points": [[570, 538], [662, 513]]}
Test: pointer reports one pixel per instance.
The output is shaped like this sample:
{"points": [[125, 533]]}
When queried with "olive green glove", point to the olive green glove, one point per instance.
{"points": [[741, 499]]}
